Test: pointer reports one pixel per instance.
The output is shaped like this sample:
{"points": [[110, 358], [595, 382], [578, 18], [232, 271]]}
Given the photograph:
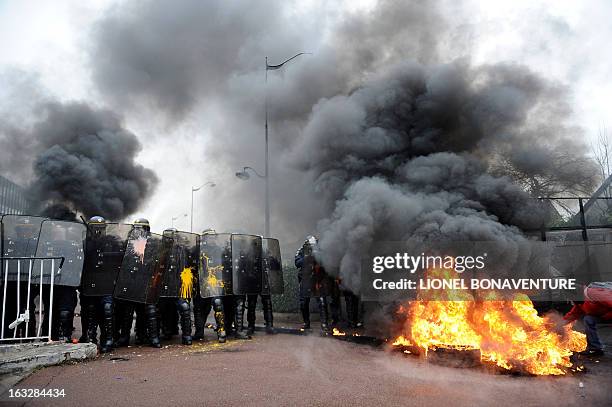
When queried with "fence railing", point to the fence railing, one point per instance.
{"points": [[27, 294]]}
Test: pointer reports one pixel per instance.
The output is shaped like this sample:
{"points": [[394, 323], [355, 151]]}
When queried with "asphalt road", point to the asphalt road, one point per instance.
{"points": [[288, 369]]}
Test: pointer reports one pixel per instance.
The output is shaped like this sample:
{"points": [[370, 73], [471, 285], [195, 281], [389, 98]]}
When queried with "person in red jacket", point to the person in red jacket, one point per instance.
{"points": [[596, 308]]}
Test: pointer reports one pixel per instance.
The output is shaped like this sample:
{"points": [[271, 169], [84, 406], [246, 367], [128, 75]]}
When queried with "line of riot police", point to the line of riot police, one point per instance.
{"points": [[121, 270]]}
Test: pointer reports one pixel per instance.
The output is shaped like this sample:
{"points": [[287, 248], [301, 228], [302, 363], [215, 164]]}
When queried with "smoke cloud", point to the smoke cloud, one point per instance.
{"points": [[387, 131], [86, 161], [407, 156]]}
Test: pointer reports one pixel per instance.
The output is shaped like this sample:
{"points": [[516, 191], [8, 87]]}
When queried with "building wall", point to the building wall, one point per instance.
{"points": [[12, 198]]}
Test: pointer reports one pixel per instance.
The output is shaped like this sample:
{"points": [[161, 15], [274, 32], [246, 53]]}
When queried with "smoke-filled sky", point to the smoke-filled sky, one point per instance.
{"points": [[527, 83]]}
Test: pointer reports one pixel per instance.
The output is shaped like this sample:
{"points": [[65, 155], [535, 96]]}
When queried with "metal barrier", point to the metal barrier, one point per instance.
{"points": [[29, 277]]}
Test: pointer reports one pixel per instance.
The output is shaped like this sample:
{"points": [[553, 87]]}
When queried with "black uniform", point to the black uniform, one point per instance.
{"points": [[313, 281]]}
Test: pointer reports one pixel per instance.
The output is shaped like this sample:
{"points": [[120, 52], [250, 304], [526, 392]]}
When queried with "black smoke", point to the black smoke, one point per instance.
{"points": [[387, 131], [86, 161], [59, 211], [409, 155]]}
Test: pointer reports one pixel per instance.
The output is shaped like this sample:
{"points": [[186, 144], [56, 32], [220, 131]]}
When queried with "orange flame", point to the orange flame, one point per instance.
{"points": [[508, 333], [337, 332]]}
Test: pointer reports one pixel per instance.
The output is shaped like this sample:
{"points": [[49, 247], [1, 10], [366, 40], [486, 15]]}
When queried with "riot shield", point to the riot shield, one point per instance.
{"points": [[140, 276], [104, 251], [19, 239], [61, 239], [247, 273], [215, 271], [314, 281], [180, 261], [272, 266]]}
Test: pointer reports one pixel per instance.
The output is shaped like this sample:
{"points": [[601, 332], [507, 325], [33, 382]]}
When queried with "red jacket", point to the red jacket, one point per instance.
{"points": [[597, 309], [598, 302]]}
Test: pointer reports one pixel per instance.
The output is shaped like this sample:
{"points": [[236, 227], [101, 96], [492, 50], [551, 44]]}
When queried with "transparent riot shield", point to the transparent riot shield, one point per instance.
{"points": [[215, 271], [247, 270], [180, 261], [140, 276], [62, 239], [104, 251], [19, 239], [272, 267]]}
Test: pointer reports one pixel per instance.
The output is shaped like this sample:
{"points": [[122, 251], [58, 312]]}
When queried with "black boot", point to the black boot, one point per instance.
{"points": [[152, 329], [305, 308], [323, 313], [185, 312], [141, 325], [92, 322], [229, 313], [239, 319], [166, 307], [220, 319], [125, 329], [201, 309], [84, 338], [251, 307], [106, 334], [64, 333], [266, 302]]}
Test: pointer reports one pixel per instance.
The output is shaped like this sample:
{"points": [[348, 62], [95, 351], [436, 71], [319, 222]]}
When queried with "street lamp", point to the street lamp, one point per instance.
{"points": [[176, 218], [243, 175], [194, 189]]}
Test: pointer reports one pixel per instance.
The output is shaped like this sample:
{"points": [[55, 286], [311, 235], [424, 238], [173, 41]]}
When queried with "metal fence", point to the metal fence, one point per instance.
{"points": [[580, 233], [27, 297]]}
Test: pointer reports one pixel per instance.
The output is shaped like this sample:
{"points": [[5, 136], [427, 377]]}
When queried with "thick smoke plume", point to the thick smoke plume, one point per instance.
{"points": [[408, 156], [386, 131], [86, 161]]}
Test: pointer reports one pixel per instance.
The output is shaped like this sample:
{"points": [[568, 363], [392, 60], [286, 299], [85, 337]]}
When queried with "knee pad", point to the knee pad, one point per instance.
{"points": [[218, 302], [183, 306], [107, 308]]}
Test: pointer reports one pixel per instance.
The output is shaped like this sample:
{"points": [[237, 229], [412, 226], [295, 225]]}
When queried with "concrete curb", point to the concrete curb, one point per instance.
{"points": [[19, 360]]}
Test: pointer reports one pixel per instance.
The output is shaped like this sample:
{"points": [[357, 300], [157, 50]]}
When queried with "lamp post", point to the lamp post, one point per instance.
{"points": [[266, 176], [194, 189]]}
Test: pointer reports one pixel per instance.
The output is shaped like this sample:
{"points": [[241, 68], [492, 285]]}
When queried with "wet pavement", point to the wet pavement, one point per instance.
{"points": [[290, 369]]}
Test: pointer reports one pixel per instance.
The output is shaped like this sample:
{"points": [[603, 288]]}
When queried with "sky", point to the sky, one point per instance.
{"points": [[51, 43]]}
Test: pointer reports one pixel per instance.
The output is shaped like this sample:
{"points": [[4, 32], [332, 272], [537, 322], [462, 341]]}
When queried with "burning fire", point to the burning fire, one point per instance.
{"points": [[337, 332], [509, 334]]}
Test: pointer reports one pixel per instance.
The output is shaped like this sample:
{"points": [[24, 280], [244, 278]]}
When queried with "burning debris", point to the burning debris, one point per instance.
{"points": [[507, 333], [337, 332]]}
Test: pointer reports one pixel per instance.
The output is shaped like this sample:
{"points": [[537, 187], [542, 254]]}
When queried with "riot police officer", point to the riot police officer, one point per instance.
{"points": [[147, 328], [180, 257], [203, 305], [97, 306], [266, 298], [313, 281]]}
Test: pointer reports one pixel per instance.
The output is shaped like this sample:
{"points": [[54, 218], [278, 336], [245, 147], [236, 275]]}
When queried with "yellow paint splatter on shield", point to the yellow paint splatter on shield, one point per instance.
{"points": [[186, 283]]}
